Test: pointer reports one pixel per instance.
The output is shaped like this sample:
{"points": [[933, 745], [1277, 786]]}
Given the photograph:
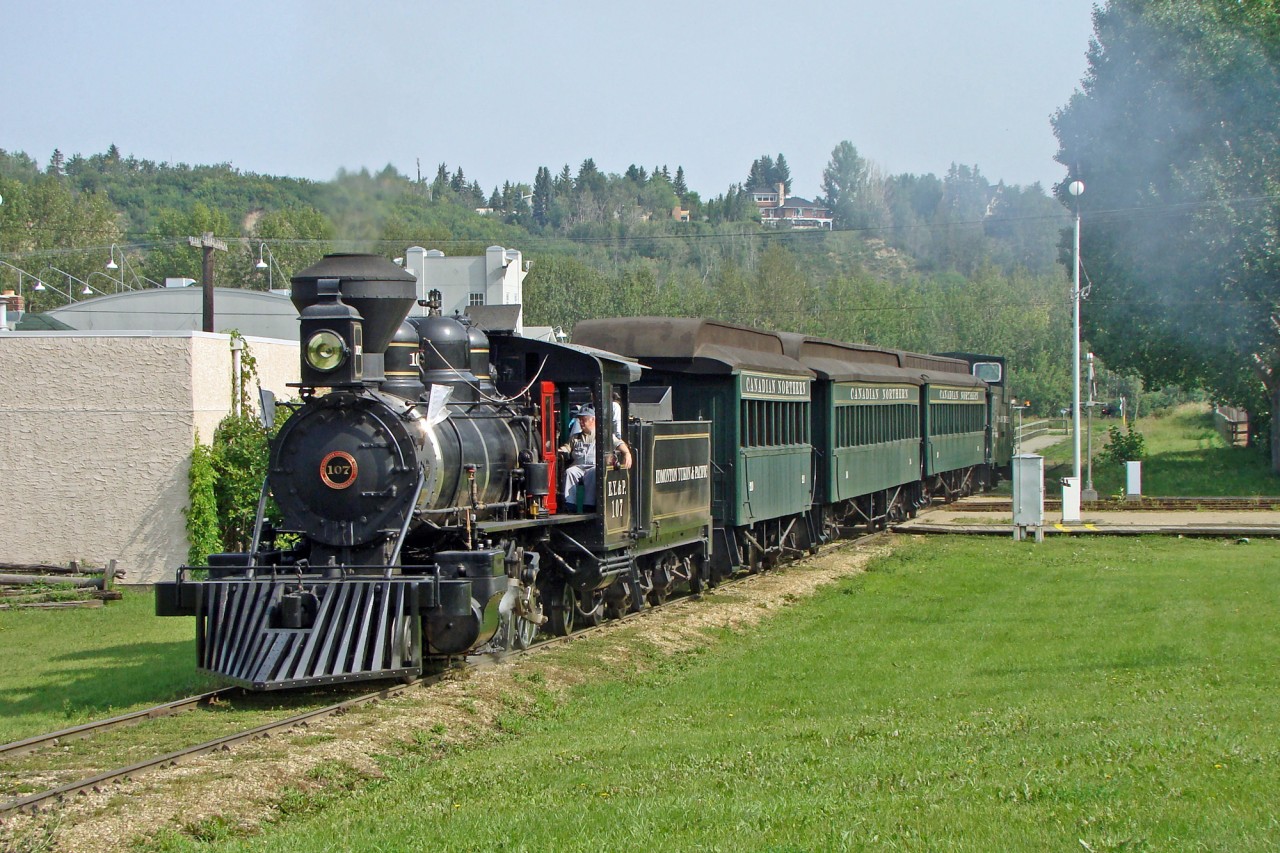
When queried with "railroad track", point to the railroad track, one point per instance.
{"points": [[133, 718], [36, 802]]}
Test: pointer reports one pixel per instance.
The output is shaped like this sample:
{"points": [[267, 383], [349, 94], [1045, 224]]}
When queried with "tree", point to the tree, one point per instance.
{"points": [[171, 255], [852, 189], [1176, 127], [590, 178], [542, 196], [296, 236], [761, 175], [680, 187], [782, 173], [441, 183]]}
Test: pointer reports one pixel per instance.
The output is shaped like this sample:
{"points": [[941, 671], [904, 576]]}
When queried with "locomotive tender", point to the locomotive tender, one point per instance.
{"points": [[419, 484]]}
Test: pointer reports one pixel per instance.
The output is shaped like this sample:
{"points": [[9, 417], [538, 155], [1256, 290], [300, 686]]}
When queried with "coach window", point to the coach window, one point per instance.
{"points": [[988, 371]]}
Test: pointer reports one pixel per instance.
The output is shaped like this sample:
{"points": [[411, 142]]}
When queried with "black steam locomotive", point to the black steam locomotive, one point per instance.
{"points": [[427, 513], [419, 485]]}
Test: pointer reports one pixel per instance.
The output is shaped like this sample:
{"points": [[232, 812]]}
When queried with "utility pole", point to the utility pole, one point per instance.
{"points": [[208, 243]]}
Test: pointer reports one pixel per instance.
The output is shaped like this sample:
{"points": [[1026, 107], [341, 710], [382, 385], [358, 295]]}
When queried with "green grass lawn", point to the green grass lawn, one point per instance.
{"points": [[1185, 458], [965, 694], [60, 668]]}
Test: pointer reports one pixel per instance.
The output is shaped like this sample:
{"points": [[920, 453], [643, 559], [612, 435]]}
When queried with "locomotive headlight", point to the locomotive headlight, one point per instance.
{"points": [[326, 350]]}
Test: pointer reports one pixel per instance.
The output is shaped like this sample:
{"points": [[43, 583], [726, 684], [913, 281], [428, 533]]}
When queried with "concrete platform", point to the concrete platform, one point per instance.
{"points": [[1235, 524]]}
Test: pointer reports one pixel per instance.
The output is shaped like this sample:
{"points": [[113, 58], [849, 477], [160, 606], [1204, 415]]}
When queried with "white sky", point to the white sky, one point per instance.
{"points": [[303, 88]]}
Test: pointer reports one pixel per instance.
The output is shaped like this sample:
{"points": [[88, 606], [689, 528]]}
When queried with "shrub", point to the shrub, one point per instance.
{"points": [[1123, 447], [239, 454], [202, 510], [227, 476]]}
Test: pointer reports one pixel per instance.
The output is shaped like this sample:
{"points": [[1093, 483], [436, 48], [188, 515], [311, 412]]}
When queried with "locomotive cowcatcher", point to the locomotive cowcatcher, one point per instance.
{"points": [[418, 487]]}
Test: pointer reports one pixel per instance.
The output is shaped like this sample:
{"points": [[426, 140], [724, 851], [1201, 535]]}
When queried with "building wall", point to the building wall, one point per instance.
{"points": [[99, 430], [496, 278]]}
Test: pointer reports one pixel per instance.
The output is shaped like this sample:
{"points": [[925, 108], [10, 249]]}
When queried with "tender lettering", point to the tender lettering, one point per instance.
{"points": [[681, 474]]}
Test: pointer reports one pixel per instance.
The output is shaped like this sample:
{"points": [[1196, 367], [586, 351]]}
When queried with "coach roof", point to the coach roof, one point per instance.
{"points": [[690, 345], [836, 361]]}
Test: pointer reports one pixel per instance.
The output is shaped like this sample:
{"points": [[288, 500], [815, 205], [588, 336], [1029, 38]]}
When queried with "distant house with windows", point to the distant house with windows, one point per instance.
{"points": [[777, 207]]}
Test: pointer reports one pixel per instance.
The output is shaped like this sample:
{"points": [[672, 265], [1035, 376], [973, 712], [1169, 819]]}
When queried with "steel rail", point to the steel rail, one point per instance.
{"points": [[32, 803], [133, 718]]}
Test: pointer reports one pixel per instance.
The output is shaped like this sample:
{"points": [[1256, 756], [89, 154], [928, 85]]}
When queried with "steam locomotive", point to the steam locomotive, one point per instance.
{"points": [[419, 480]]}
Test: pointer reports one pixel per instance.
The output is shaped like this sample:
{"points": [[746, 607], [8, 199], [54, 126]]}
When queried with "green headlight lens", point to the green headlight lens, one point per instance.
{"points": [[326, 350]]}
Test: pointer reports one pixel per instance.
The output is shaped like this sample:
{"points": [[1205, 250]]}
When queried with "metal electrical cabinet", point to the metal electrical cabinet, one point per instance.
{"points": [[1028, 495]]}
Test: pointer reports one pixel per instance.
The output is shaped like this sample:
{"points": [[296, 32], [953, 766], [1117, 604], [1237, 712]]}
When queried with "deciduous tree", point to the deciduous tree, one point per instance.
{"points": [[1174, 133]]}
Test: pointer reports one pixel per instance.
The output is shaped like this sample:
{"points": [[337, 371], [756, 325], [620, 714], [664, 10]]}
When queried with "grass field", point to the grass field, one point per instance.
{"points": [[61, 668], [1186, 457], [964, 694]]}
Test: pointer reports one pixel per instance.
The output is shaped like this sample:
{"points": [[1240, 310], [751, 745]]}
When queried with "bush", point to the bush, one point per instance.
{"points": [[202, 512], [240, 459], [1122, 447], [227, 476]]}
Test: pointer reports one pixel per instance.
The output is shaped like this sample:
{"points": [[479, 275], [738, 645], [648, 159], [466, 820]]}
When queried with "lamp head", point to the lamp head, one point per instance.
{"points": [[1076, 188]]}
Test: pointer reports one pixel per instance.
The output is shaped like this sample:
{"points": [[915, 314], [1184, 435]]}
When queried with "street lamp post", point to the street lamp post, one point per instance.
{"points": [[266, 261], [1089, 494], [1075, 188], [87, 289], [1017, 435], [113, 266]]}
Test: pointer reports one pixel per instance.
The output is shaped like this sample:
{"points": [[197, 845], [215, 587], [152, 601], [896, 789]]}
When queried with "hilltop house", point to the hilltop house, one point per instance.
{"points": [[776, 207]]}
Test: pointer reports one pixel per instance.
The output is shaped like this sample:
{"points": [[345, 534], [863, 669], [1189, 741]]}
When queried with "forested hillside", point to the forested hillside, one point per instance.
{"points": [[924, 262]]}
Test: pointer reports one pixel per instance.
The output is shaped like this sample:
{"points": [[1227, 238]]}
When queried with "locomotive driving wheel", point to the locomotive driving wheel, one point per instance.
{"points": [[524, 630], [561, 604]]}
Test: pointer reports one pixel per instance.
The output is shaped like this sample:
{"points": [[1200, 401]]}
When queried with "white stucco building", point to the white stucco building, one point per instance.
{"points": [[98, 434], [494, 278]]}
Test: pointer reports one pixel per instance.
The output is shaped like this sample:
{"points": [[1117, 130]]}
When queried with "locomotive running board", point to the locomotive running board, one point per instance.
{"points": [[363, 629]]}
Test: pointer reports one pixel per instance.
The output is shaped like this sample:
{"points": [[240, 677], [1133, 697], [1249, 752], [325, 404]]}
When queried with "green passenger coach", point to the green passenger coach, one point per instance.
{"points": [[954, 424], [866, 432], [758, 401], [993, 370]]}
